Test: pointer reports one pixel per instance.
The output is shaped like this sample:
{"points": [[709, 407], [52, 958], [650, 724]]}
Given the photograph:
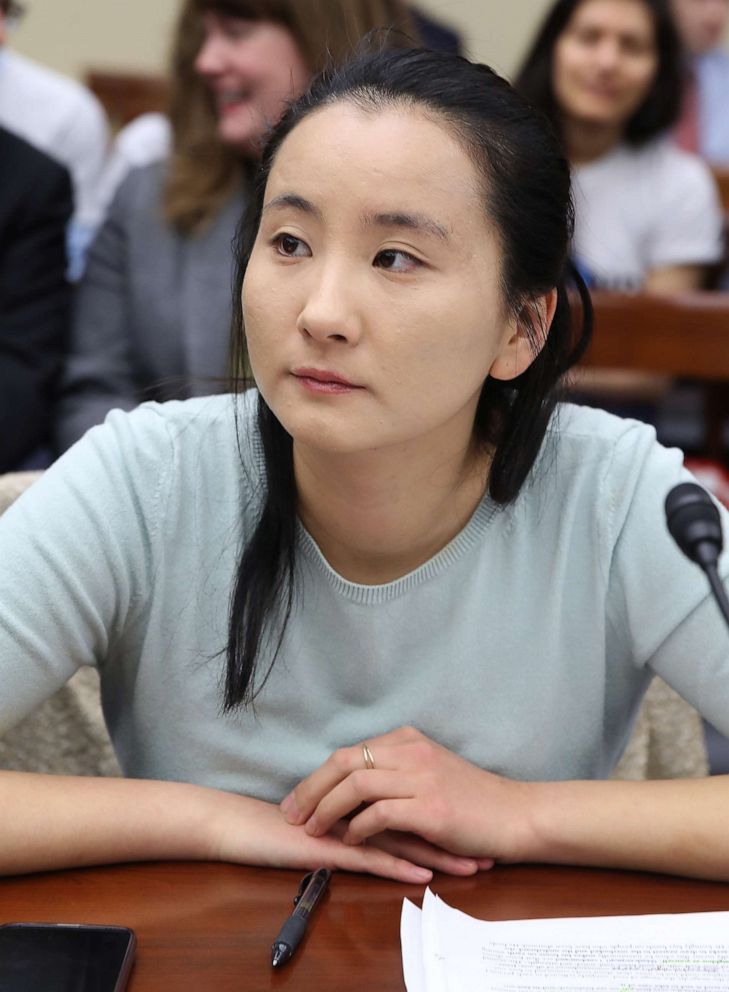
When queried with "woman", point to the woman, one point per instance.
{"points": [[152, 316], [400, 531], [608, 74]]}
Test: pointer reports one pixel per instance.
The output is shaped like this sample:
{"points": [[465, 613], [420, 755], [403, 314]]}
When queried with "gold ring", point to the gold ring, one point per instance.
{"points": [[369, 761]]}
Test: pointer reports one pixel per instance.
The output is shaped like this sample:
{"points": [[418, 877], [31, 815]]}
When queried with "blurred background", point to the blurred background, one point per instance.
{"points": [[134, 34]]}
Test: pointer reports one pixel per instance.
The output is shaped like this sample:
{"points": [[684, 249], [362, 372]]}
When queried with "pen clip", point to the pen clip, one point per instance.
{"points": [[302, 887]]}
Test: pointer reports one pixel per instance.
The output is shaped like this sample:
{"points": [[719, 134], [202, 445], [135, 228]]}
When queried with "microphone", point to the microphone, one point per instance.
{"points": [[694, 524]]}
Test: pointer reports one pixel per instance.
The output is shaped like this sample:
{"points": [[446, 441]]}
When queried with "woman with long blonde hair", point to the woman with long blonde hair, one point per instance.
{"points": [[152, 313]]}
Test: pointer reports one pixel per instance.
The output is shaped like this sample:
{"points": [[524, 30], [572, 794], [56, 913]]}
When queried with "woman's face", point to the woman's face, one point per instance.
{"points": [[252, 68], [372, 301], [604, 62], [701, 23]]}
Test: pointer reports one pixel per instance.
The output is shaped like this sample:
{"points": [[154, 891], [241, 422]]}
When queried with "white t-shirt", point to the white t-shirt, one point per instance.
{"points": [[643, 208], [146, 139]]}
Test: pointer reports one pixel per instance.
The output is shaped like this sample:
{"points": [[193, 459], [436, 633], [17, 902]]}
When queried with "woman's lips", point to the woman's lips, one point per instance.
{"points": [[602, 92], [321, 381], [230, 100], [231, 106]]}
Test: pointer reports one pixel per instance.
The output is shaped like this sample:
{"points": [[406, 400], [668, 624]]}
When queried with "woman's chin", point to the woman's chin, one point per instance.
{"points": [[241, 137]]}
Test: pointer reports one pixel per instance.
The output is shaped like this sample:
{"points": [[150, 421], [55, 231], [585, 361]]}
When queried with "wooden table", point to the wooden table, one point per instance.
{"points": [[210, 927]]}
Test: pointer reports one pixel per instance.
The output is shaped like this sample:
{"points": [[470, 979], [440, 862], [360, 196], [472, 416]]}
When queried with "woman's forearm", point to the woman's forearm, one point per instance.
{"points": [[53, 821], [677, 826]]}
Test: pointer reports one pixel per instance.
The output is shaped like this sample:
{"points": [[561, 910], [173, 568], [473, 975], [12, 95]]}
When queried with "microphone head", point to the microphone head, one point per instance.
{"points": [[694, 523]]}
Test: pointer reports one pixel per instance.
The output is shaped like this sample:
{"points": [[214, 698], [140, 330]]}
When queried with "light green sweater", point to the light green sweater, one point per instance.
{"points": [[524, 645]]}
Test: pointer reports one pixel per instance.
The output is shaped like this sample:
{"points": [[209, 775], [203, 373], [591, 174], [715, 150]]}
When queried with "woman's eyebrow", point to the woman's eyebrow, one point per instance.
{"points": [[399, 218], [295, 201], [413, 222]]}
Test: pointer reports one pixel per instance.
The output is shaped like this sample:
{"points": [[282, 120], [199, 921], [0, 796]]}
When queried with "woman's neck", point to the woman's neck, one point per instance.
{"points": [[587, 142], [378, 515]]}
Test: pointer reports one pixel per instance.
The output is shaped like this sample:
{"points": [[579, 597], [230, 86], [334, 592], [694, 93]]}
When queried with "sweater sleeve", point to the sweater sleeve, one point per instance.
{"points": [[78, 553], [659, 602]]}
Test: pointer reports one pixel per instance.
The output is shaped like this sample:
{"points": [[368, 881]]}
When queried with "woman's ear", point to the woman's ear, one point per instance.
{"points": [[526, 337]]}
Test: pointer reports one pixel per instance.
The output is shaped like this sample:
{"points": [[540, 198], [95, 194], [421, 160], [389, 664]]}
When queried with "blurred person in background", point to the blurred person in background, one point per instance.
{"points": [[61, 118], [704, 123], [35, 206], [152, 314], [148, 138], [608, 74]]}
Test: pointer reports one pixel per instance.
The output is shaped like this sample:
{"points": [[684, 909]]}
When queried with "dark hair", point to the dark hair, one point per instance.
{"points": [[660, 109], [527, 196]]}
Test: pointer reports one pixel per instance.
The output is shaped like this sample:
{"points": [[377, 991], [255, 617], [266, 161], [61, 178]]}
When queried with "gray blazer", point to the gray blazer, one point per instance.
{"points": [[152, 313]]}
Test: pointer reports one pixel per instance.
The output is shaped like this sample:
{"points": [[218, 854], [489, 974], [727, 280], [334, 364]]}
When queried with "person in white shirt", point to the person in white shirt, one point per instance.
{"points": [[704, 123], [61, 118], [143, 141], [608, 74]]}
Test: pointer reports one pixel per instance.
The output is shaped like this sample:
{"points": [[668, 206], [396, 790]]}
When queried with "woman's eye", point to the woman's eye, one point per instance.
{"points": [[396, 261], [237, 28], [634, 46], [291, 247]]}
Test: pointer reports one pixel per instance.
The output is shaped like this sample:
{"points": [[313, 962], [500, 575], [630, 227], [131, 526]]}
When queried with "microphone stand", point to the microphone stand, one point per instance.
{"points": [[717, 587]]}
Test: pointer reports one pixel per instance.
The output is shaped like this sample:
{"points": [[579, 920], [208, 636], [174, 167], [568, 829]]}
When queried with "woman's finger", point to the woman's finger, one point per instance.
{"points": [[298, 806], [421, 852], [377, 861], [362, 786], [405, 815]]}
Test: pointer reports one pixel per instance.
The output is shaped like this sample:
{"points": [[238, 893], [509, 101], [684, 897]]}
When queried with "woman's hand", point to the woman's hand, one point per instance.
{"points": [[254, 832], [416, 787]]}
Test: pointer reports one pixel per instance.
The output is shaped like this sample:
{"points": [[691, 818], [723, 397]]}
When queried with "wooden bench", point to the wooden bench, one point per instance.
{"points": [[126, 95], [684, 335]]}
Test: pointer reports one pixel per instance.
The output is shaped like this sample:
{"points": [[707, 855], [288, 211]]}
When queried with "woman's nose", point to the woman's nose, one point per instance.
{"points": [[209, 60], [329, 312], [608, 54]]}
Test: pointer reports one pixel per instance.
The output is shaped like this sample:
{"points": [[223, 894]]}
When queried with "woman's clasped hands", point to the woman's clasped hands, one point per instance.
{"points": [[408, 795]]}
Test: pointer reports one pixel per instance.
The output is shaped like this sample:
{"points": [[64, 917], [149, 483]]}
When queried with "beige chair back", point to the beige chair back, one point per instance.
{"points": [[667, 740], [66, 734]]}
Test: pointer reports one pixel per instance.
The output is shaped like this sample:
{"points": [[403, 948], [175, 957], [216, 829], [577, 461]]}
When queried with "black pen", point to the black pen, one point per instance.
{"points": [[312, 888]]}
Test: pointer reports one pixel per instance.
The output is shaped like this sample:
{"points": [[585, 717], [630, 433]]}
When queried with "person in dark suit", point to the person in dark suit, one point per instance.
{"points": [[36, 203]]}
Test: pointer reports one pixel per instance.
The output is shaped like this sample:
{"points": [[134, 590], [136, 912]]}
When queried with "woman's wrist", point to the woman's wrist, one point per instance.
{"points": [[633, 825], [521, 835], [577, 822]]}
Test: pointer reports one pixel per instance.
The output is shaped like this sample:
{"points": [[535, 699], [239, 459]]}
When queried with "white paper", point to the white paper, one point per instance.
{"points": [[412, 947], [434, 960], [659, 953]]}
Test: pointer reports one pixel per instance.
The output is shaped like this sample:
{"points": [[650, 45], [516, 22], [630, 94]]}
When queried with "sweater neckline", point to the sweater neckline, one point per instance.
{"points": [[467, 538]]}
